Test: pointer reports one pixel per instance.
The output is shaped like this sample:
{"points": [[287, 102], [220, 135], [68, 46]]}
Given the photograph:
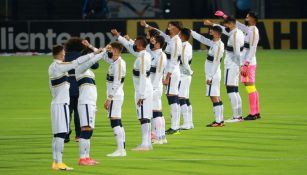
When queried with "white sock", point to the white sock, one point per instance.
{"points": [[163, 127], [221, 116], [118, 132], [53, 150], [217, 111], [88, 148], [185, 114], [83, 144], [58, 149], [124, 137], [146, 141], [239, 109], [234, 103], [154, 127], [158, 124], [190, 115], [175, 121]]}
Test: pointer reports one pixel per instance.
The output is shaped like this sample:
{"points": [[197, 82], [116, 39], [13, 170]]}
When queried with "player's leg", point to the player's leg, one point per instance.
{"points": [[76, 119], [114, 115], [182, 101], [249, 82], [173, 101], [213, 91], [60, 128], [188, 102], [158, 119], [145, 115], [87, 114], [231, 83]]}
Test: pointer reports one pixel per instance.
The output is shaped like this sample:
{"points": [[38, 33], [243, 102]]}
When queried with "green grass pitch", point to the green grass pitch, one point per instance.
{"points": [[276, 144]]}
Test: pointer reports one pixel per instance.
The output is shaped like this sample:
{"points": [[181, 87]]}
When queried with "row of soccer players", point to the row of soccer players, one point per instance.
{"points": [[147, 78]]}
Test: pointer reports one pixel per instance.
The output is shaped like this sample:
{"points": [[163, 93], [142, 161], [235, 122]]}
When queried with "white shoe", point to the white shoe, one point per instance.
{"points": [[118, 153], [234, 120], [157, 142], [164, 141], [192, 125], [185, 127], [142, 148]]}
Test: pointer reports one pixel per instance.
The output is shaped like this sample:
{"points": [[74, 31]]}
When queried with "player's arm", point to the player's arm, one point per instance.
{"points": [[117, 79], [218, 54], [253, 42], [166, 37], [86, 65], [236, 46], [242, 27], [185, 59], [210, 23], [174, 57], [201, 38], [128, 45], [66, 66], [159, 71], [142, 83]]}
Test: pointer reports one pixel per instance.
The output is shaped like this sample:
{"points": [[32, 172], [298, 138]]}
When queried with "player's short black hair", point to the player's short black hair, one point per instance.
{"points": [[57, 49], [74, 44], [167, 32], [186, 32], [230, 19], [177, 24], [253, 15], [142, 40], [153, 33], [160, 40], [217, 29], [117, 45]]}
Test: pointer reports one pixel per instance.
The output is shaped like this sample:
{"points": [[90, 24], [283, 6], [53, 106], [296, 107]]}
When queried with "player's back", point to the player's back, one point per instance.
{"points": [[58, 83], [87, 87], [142, 63], [235, 40], [116, 73]]}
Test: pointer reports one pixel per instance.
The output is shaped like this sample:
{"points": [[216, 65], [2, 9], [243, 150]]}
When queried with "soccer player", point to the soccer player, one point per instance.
{"points": [[172, 78], [213, 71], [234, 50], [115, 95], [142, 85], [87, 105], [158, 65], [74, 48], [248, 61], [59, 87], [185, 79]]}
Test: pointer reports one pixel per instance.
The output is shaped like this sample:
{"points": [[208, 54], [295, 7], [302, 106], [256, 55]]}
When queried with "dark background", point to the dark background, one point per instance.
{"points": [[72, 9]]}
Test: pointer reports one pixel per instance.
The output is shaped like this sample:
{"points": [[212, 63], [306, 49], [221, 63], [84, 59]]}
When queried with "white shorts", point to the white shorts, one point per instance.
{"points": [[172, 87], [115, 109], [145, 110], [184, 86], [231, 76], [156, 99], [87, 115], [215, 87], [60, 118]]}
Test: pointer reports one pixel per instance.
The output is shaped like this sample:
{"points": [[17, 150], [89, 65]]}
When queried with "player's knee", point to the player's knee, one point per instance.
{"points": [[251, 89], [188, 102], [60, 135], [156, 114], [231, 89], [172, 99], [220, 103], [144, 121], [86, 134], [115, 123], [182, 101]]}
